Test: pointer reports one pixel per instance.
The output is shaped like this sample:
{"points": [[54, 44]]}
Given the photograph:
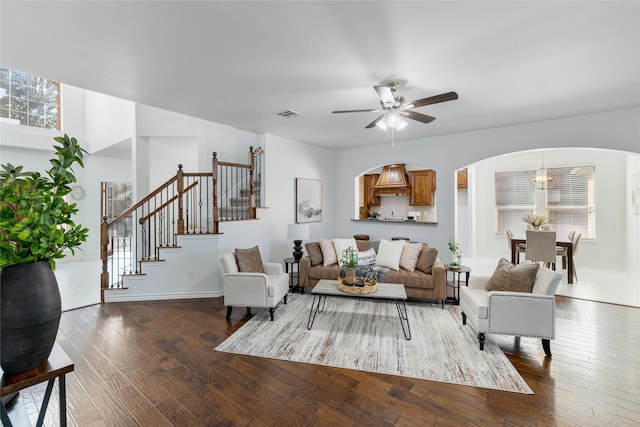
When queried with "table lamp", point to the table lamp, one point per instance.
{"points": [[297, 233]]}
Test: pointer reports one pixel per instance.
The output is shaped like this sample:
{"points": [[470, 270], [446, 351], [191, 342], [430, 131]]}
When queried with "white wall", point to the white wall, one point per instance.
{"points": [[616, 130], [108, 120]]}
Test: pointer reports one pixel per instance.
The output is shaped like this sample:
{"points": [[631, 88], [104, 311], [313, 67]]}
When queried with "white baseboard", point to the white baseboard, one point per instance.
{"points": [[117, 295]]}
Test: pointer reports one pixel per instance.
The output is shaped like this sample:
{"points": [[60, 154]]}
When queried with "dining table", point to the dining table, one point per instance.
{"points": [[562, 242]]}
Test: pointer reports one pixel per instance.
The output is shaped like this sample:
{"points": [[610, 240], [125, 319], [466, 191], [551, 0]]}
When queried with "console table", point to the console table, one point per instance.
{"points": [[57, 366]]}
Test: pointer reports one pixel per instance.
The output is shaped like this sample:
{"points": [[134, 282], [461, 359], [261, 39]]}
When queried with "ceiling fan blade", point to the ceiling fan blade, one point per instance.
{"points": [[355, 111], [386, 94], [373, 123], [449, 96], [418, 116]]}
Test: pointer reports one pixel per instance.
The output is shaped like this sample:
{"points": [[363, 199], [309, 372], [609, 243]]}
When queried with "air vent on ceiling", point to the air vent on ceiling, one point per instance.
{"points": [[287, 114]]}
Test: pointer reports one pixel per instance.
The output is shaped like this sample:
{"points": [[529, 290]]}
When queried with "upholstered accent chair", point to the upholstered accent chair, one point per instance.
{"points": [[523, 314], [253, 289]]}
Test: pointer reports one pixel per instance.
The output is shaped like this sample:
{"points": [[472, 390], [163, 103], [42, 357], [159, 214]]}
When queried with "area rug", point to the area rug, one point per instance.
{"points": [[366, 335]]}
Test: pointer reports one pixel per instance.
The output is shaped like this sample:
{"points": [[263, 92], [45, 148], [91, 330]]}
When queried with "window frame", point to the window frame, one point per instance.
{"points": [[31, 86]]}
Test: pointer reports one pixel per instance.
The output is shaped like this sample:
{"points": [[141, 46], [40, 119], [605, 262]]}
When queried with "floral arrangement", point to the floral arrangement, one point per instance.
{"points": [[536, 220]]}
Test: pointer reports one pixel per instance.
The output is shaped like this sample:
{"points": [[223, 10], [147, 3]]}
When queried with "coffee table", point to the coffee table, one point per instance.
{"points": [[386, 291]]}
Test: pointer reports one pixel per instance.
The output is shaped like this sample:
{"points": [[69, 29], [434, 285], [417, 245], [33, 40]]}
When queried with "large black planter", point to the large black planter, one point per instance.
{"points": [[30, 312]]}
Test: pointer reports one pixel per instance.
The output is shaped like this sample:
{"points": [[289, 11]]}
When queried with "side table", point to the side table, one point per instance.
{"points": [[292, 267], [57, 366], [455, 284]]}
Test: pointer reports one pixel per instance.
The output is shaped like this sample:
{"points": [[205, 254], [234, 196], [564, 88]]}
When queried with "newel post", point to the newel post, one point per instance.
{"points": [[104, 256], [180, 184], [252, 194], [214, 177]]}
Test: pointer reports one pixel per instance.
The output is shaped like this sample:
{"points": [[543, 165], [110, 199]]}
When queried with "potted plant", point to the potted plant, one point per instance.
{"points": [[36, 229], [349, 262], [456, 254]]}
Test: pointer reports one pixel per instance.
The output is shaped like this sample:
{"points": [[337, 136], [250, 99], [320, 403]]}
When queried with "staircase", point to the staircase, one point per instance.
{"points": [[187, 206]]}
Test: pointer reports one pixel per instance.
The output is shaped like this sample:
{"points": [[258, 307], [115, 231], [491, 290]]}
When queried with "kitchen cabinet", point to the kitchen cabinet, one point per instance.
{"points": [[369, 198], [423, 186], [462, 178]]}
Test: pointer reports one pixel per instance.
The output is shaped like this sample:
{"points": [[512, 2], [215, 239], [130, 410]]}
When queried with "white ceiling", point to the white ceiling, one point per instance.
{"points": [[238, 63]]}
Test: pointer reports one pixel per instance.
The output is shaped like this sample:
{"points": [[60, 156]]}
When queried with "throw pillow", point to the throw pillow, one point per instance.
{"points": [[249, 260], [427, 258], [513, 278], [329, 256], [389, 253], [314, 252], [341, 245], [367, 257], [409, 257]]}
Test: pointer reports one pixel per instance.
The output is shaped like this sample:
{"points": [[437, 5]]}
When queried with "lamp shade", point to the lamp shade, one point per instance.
{"points": [[297, 231]]}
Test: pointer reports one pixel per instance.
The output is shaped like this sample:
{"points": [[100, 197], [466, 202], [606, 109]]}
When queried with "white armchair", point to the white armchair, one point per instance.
{"points": [[253, 289], [512, 313]]}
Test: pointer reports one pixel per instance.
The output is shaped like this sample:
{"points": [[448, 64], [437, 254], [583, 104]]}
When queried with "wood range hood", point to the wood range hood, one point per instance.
{"points": [[393, 181]]}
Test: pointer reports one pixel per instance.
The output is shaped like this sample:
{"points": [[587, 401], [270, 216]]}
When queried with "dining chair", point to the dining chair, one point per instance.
{"points": [[519, 248], [541, 247], [563, 252]]}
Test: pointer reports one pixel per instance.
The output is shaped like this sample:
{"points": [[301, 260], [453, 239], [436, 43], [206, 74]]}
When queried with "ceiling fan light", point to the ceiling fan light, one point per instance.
{"points": [[393, 120], [402, 124], [382, 124]]}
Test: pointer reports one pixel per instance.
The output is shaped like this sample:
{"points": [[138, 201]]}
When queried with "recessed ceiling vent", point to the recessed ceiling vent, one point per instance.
{"points": [[288, 114]]}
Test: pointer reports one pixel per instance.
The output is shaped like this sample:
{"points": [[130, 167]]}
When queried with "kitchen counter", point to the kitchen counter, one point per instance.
{"points": [[396, 221]]}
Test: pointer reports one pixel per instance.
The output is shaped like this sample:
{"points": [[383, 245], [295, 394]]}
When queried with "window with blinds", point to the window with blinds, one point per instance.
{"points": [[568, 201], [515, 198]]}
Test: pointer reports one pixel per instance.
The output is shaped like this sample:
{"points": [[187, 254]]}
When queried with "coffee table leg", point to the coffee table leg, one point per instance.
{"points": [[315, 309], [404, 318]]}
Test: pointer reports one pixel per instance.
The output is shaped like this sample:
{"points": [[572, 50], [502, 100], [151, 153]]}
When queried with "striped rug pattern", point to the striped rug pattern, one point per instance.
{"points": [[366, 335]]}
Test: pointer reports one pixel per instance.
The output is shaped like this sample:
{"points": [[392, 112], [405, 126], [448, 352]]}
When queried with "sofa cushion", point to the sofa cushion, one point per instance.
{"points": [[329, 256], [249, 260], [342, 245], [389, 253], [314, 252], [331, 272], [512, 278], [426, 259], [367, 257], [417, 279], [409, 257]]}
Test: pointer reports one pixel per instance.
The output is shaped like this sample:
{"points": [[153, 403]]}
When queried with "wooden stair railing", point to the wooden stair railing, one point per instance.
{"points": [[187, 203]]}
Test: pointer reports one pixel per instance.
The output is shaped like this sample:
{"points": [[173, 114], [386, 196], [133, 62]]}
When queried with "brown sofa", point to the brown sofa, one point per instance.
{"points": [[418, 284]]}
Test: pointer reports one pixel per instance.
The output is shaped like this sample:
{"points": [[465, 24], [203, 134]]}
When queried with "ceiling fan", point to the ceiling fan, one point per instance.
{"points": [[395, 108]]}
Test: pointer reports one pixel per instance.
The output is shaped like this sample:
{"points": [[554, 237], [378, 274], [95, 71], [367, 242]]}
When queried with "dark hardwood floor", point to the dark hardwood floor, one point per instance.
{"points": [[154, 364]]}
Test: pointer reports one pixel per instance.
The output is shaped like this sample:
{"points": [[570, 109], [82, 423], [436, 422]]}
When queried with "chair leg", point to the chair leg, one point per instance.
{"points": [[481, 338], [229, 312], [464, 318], [285, 298], [271, 312], [546, 345], [248, 311]]}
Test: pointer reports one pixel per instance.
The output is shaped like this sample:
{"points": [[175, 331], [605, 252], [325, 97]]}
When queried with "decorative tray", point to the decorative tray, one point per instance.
{"points": [[363, 286]]}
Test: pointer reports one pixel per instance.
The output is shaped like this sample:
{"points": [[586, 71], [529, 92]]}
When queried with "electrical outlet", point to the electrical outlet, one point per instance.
{"points": [[190, 274]]}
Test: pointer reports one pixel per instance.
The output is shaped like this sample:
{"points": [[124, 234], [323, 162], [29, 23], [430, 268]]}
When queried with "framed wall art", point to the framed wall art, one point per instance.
{"points": [[308, 200]]}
